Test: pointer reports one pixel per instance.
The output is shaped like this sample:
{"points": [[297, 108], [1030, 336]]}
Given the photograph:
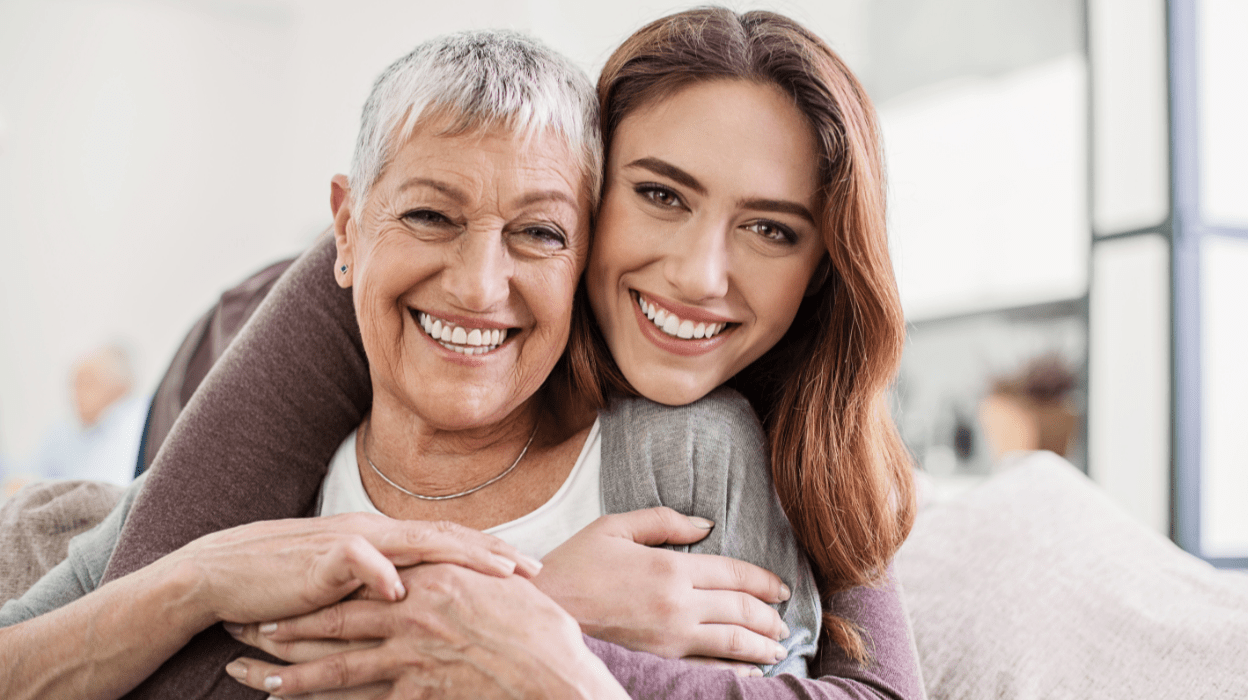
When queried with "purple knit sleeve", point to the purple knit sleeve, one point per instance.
{"points": [[879, 612], [254, 440]]}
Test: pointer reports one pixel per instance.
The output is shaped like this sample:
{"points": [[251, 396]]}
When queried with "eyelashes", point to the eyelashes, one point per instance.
{"points": [[660, 195]]}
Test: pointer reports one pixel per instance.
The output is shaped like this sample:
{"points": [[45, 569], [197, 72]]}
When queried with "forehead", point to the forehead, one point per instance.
{"points": [[490, 163], [741, 130]]}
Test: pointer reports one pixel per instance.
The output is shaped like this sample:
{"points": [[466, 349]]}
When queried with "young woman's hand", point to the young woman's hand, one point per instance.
{"points": [[457, 632], [270, 570], [673, 604]]}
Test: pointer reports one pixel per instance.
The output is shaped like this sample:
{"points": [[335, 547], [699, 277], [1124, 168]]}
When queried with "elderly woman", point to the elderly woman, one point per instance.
{"points": [[462, 234]]}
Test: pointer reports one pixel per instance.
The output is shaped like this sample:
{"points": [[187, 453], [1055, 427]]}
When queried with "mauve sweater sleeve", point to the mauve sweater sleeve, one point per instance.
{"points": [[879, 612], [254, 440]]}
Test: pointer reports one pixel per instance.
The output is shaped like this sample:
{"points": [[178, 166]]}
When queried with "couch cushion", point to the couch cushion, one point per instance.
{"points": [[1036, 585]]}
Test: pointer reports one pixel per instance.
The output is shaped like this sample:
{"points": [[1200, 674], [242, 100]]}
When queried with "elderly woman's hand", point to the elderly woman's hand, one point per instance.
{"points": [[456, 634], [270, 570], [672, 604]]}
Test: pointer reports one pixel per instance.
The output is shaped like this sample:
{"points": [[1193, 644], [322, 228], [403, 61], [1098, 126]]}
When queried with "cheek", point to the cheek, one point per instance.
{"points": [[780, 296]]}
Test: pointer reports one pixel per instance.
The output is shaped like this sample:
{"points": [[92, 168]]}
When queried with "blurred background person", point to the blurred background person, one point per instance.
{"points": [[101, 441]]}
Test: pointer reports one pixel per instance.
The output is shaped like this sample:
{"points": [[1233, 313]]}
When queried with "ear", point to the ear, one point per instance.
{"points": [[344, 230], [819, 277]]}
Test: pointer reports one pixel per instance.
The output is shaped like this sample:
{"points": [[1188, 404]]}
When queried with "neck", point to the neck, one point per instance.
{"points": [[424, 458]]}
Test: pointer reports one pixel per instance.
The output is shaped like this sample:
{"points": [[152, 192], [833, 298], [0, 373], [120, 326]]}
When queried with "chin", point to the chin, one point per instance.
{"points": [[672, 391]]}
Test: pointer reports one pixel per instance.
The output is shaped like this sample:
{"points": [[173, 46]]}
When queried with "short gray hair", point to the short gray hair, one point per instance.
{"points": [[482, 79]]}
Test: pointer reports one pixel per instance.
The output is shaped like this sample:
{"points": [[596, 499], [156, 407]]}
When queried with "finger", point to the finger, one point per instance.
{"points": [[711, 571], [743, 670], [251, 672], [297, 651], [735, 643], [743, 609], [338, 671], [350, 620], [655, 526], [352, 561], [413, 542], [255, 674]]}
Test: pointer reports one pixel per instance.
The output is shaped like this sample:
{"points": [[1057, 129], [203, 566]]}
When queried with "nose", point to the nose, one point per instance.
{"points": [[478, 277], [697, 261]]}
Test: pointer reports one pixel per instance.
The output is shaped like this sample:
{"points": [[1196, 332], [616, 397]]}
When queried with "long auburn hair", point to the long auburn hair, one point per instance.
{"points": [[839, 466]]}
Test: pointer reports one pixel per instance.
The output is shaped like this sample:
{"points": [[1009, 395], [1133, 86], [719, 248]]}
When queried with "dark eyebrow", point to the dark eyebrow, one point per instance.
{"points": [[666, 169], [449, 190], [779, 206]]}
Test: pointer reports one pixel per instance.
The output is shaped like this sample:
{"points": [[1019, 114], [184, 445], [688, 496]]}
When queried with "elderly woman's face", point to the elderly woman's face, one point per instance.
{"points": [[463, 263], [707, 237]]}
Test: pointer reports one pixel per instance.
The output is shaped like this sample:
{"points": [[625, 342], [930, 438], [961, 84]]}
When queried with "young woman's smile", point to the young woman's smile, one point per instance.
{"points": [[707, 237]]}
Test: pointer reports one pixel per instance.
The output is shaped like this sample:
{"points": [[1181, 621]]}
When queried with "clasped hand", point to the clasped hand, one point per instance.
{"points": [[276, 569]]}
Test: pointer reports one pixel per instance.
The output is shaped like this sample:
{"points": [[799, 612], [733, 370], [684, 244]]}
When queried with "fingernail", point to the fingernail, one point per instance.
{"points": [[236, 669], [399, 593], [781, 653], [233, 628], [784, 630], [272, 683], [701, 523], [531, 563], [785, 593], [504, 563], [268, 628], [756, 672]]}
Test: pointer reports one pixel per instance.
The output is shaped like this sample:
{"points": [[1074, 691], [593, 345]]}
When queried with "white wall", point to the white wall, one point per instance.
{"points": [[988, 190]]}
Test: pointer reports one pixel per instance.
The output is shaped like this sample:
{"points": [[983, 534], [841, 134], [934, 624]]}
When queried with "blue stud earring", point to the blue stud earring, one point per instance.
{"points": [[343, 269]]}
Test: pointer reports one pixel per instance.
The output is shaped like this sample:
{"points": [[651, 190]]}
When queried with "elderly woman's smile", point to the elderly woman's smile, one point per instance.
{"points": [[463, 260]]}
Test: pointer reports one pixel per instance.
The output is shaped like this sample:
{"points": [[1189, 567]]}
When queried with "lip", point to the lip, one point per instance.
{"points": [[691, 313], [464, 321], [677, 346]]}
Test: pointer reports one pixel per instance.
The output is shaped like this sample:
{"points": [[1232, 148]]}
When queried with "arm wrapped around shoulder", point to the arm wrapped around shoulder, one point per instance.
{"points": [[709, 459]]}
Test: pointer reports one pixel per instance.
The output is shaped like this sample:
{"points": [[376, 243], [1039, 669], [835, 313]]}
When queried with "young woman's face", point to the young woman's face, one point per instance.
{"points": [[707, 237]]}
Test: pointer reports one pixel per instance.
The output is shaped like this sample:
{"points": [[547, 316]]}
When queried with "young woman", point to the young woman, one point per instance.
{"points": [[782, 269]]}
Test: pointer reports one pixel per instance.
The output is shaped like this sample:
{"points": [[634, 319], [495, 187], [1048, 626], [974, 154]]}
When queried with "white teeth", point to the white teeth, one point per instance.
{"points": [[477, 341], [675, 326]]}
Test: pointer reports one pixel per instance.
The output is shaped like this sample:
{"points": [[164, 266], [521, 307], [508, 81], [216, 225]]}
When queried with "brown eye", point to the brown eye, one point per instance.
{"points": [[660, 195], [773, 231]]}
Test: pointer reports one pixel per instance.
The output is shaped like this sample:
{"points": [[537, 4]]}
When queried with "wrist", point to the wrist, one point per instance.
{"points": [[183, 591]]}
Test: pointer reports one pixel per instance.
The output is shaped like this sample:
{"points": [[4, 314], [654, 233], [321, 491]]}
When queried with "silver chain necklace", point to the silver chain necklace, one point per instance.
{"points": [[447, 497]]}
